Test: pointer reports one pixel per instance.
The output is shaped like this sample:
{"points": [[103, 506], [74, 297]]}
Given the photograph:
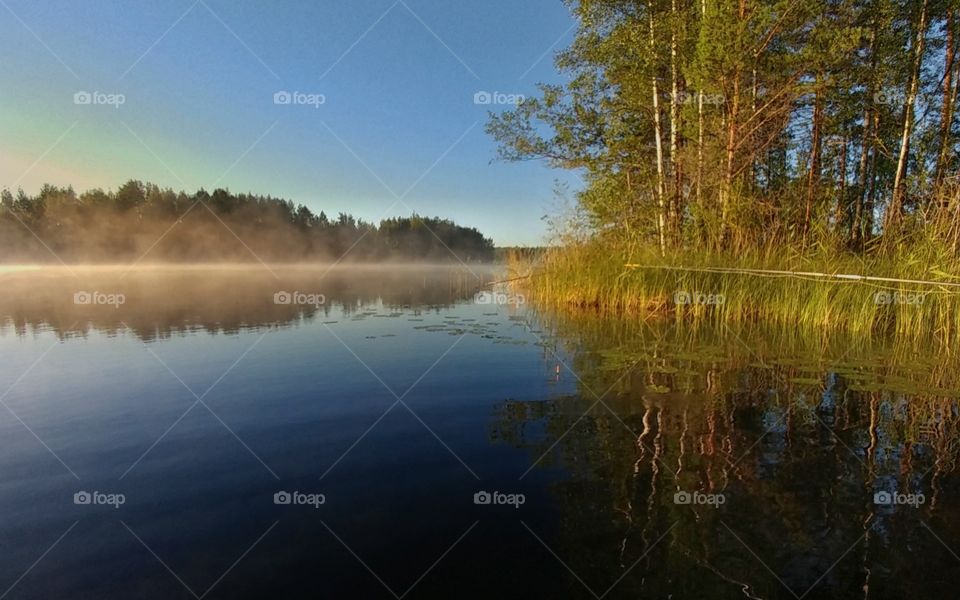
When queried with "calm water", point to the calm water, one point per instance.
{"points": [[629, 459]]}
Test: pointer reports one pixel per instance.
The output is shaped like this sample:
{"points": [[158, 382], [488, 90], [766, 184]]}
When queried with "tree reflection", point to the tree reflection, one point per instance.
{"points": [[160, 302], [798, 437]]}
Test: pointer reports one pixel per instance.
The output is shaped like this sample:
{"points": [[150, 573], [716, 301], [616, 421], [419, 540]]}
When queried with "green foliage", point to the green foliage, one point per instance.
{"points": [[750, 124]]}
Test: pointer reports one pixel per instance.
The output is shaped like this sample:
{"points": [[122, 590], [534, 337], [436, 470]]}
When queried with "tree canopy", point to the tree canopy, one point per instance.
{"points": [[143, 221], [753, 123]]}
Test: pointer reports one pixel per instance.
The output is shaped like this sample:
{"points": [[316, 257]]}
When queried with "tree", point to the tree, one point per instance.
{"points": [[809, 118]]}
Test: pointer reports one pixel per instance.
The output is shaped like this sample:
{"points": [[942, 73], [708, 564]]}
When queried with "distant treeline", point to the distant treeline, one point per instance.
{"points": [[143, 220]]}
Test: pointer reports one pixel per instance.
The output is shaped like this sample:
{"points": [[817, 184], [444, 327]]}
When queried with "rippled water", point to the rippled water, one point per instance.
{"points": [[622, 458]]}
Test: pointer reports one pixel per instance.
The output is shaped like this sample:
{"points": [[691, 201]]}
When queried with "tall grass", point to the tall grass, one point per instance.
{"points": [[596, 276]]}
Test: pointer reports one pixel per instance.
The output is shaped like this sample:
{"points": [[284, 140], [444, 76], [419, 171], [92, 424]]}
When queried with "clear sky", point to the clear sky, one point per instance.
{"points": [[198, 80]]}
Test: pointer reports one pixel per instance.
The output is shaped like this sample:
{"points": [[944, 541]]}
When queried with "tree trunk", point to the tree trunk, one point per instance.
{"points": [[726, 189], [658, 137], [703, 14], [946, 113], [856, 230], [676, 201], [813, 175], [857, 233], [700, 148], [732, 124], [871, 202], [899, 179], [754, 173], [842, 212]]}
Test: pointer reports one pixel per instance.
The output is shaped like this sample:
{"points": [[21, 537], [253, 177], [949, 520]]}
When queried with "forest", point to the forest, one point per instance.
{"points": [[776, 127], [143, 222]]}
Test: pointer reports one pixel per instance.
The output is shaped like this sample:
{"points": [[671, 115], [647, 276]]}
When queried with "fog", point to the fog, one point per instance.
{"points": [[159, 300]]}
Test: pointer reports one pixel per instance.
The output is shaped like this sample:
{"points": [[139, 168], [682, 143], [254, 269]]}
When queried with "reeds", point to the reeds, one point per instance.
{"points": [[597, 277]]}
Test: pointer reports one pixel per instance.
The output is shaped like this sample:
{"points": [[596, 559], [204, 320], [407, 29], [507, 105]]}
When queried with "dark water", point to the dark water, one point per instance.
{"points": [[652, 460]]}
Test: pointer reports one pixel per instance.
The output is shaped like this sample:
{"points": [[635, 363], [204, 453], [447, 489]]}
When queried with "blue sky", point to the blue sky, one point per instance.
{"points": [[198, 81]]}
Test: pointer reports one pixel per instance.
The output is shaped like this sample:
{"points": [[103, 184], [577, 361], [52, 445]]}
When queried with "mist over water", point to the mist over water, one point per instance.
{"points": [[157, 300]]}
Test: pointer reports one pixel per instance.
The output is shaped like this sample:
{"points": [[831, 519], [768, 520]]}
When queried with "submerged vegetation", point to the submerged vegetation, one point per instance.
{"points": [[797, 136], [142, 221]]}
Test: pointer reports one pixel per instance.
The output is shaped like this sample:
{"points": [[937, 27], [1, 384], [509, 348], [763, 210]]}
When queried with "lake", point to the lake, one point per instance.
{"points": [[387, 433]]}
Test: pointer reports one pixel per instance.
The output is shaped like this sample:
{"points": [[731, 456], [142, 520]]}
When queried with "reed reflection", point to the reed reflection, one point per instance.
{"points": [[771, 465]]}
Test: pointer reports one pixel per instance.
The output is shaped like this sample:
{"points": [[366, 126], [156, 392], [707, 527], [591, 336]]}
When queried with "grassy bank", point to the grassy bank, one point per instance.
{"points": [[689, 286]]}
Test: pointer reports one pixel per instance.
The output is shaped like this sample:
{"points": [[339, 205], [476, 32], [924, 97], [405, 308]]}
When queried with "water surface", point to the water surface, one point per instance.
{"points": [[652, 459]]}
